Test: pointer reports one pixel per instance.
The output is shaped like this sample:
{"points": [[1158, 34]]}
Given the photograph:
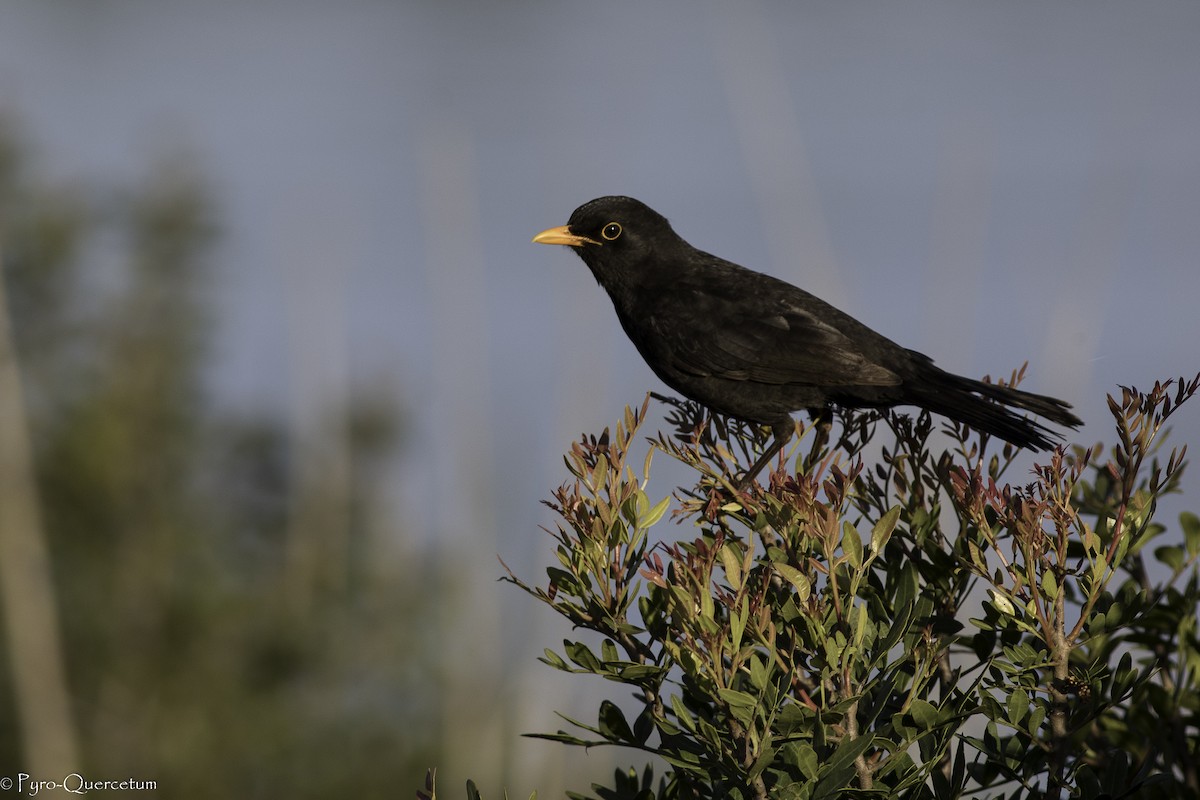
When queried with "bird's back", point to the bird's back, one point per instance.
{"points": [[750, 344]]}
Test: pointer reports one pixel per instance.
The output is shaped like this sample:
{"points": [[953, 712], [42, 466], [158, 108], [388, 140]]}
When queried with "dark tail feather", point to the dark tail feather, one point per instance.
{"points": [[989, 408]]}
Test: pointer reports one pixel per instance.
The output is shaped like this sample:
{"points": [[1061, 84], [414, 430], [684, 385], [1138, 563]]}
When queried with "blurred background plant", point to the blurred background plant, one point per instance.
{"points": [[220, 626]]}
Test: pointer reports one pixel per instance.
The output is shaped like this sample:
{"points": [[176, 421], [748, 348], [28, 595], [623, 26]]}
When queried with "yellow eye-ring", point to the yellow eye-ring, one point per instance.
{"points": [[611, 231]]}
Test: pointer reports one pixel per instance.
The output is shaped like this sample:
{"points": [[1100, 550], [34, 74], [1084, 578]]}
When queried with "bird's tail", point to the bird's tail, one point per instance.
{"points": [[989, 408]]}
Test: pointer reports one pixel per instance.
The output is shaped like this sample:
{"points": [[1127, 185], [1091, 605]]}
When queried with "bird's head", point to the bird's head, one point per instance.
{"points": [[615, 236]]}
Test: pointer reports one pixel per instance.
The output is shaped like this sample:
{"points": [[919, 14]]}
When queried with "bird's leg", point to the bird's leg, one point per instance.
{"points": [[823, 421], [783, 432]]}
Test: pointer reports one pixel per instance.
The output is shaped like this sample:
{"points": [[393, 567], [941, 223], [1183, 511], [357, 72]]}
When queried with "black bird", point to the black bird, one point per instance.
{"points": [[756, 348]]}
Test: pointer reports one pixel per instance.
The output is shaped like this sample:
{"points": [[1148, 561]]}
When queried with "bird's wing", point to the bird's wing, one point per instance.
{"points": [[766, 331]]}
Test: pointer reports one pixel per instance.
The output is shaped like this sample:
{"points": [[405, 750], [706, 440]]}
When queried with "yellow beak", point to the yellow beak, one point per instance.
{"points": [[562, 235]]}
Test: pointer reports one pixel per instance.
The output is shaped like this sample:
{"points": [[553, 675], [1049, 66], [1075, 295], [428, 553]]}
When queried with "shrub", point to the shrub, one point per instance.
{"points": [[884, 618]]}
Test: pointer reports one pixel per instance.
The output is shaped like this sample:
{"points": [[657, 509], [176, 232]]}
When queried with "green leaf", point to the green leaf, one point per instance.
{"points": [[796, 578], [682, 714], [1089, 784], [634, 507], [1123, 678], [1049, 584], [834, 646], [860, 624], [907, 586], [1122, 548], [794, 718], [852, 545], [1001, 602], [1099, 568], [581, 655], [901, 619], [1017, 706], [762, 762], [737, 623], [805, 759], [738, 701], [1036, 717], [1114, 618], [684, 603], [838, 771], [655, 514], [707, 609], [924, 713], [904, 726], [612, 724], [883, 529], [639, 673], [758, 672], [554, 659], [977, 559], [599, 475], [643, 726], [1191, 532], [1171, 555], [990, 707], [733, 566]]}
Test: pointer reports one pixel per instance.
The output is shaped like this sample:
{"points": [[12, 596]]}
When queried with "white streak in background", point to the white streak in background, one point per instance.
{"points": [[460, 492], [957, 251], [48, 740], [317, 236], [768, 127], [1085, 292]]}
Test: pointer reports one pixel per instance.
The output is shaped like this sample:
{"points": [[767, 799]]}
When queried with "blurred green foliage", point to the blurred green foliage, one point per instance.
{"points": [[173, 524]]}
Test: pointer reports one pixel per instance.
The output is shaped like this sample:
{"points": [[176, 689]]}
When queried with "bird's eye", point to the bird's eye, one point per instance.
{"points": [[611, 231]]}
